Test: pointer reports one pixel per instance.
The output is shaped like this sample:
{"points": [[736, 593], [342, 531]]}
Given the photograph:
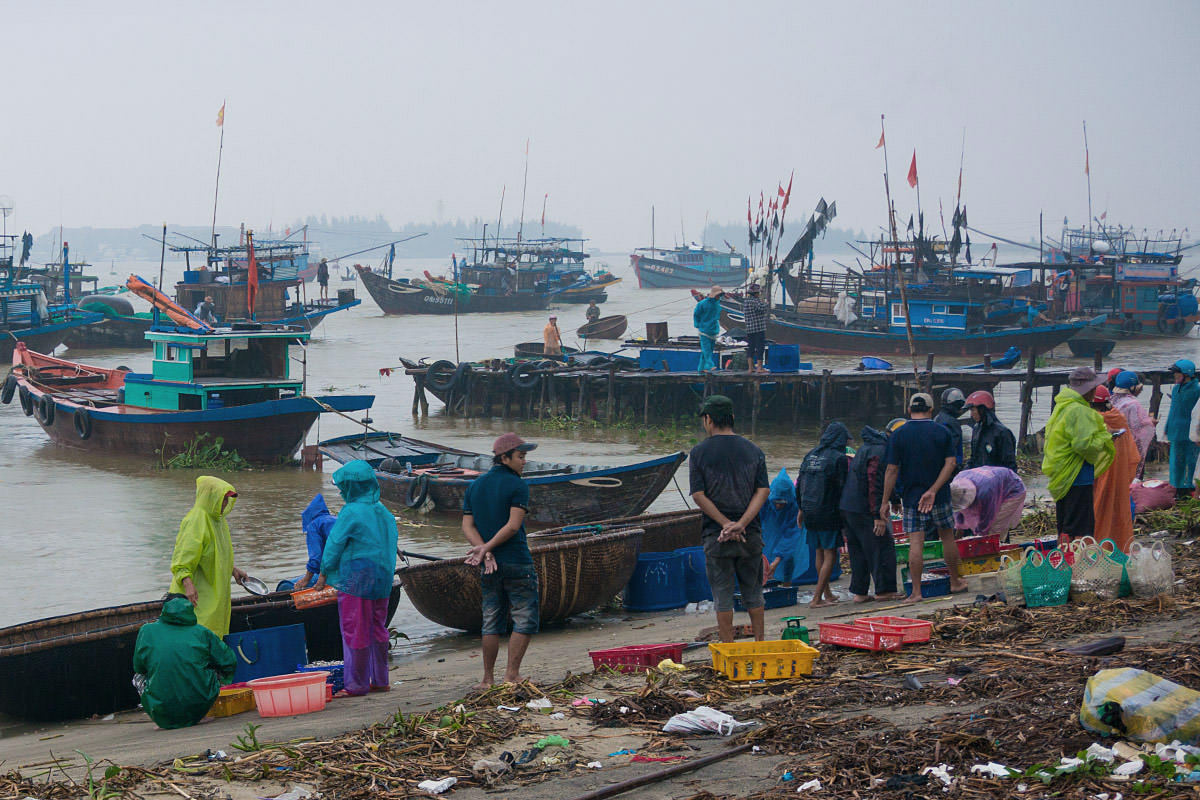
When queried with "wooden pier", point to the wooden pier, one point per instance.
{"points": [[489, 390]]}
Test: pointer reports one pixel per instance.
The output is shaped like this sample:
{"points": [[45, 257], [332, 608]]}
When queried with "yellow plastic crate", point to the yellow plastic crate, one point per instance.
{"points": [[755, 661], [979, 565], [232, 701]]}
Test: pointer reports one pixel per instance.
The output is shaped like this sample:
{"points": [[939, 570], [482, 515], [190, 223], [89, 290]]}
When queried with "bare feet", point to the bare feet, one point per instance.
{"points": [[819, 604], [484, 684], [890, 596], [863, 598], [913, 598], [958, 588], [513, 679]]}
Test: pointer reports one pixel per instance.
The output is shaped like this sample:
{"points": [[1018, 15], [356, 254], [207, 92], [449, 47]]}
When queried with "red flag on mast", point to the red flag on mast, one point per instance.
{"points": [[788, 194], [251, 274], [912, 171], [880, 137]]}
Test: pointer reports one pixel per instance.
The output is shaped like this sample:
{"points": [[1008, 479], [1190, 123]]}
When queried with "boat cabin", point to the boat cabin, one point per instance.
{"points": [[222, 275], [230, 367], [22, 305]]}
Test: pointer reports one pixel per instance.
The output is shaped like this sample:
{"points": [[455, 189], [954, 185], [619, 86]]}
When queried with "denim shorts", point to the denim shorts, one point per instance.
{"points": [[512, 590], [940, 517]]}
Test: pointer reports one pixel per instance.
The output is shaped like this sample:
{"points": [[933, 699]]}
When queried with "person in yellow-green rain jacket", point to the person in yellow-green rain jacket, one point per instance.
{"points": [[1078, 448], [203, 559]]}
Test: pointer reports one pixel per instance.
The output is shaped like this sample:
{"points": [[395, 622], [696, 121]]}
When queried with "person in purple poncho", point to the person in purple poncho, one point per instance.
{"points": [[987, 500]]}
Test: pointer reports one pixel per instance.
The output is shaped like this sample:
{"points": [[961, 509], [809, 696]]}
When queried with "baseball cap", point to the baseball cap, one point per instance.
{"points": [[753, 288], [716, 405], [920, 402], [1101, 396], [511, 441]]}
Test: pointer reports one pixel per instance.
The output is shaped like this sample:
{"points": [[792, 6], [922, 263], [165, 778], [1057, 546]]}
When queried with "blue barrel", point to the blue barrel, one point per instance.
{"points": [[695, 574], [657, 583], [267, 651]]}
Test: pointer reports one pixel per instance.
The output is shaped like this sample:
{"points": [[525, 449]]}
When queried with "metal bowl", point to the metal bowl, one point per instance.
{"points": [[255, 586]]}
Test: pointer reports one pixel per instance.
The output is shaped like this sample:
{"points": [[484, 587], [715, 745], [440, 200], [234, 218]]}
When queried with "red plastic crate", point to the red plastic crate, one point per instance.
{"points": [[861, 637], [973, 546], [913, 630], [636, 658]]}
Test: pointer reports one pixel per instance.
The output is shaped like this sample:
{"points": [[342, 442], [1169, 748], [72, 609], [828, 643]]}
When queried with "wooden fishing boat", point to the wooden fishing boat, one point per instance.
{"points": [[401, 296], [604, 328], [233, 384], [411, 471], [27, 313], [1088, 348], [76, 665], [688, 266], [664, 532], [576, 573], [1009, 359]]}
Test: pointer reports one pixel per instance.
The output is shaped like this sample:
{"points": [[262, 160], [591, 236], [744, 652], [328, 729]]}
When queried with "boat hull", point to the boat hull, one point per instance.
{"points": [[851, 341], [574, 576], [604, 328], [563, 498], [77, 665], [46, 337], [397, 297], [654, 273]]}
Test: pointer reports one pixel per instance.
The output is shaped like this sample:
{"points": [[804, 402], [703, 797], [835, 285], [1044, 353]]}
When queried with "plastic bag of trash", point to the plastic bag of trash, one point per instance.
{"points": [[1140, 705], [704, 720]]}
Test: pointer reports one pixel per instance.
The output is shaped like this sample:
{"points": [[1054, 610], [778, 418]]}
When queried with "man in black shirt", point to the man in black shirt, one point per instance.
{"points": [[729, 483]]}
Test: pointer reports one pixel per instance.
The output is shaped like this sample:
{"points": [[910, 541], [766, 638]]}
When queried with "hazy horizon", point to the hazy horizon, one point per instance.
{"points": [[422, 113]]}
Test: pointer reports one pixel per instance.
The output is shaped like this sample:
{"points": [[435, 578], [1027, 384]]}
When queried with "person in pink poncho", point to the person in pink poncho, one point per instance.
{"points": [[1141, 424], [987, 500]]}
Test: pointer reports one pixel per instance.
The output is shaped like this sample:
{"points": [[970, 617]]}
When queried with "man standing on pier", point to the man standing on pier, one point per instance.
{"points": [[729, 483], [921, 462], [551, 338], [1078, 448], [706, 316]]}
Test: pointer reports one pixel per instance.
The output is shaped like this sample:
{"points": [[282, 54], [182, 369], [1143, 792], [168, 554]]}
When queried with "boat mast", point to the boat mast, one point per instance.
{"points": [[912, 348], [217, 186], [1087, 170], [524, 186]]}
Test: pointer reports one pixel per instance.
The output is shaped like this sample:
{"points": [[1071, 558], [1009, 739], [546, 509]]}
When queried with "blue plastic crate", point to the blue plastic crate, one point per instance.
{"points": [[783, 358], [931, 586], [677, 360], [774, 597], [336, 672], [657, 583]]}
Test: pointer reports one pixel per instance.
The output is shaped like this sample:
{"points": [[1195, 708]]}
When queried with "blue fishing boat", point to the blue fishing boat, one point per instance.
{"points": [[688, 266], [26, 314], [232, 384]]}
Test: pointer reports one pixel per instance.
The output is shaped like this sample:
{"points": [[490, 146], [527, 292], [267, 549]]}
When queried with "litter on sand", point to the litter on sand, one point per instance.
{"points": [[437, 787]]}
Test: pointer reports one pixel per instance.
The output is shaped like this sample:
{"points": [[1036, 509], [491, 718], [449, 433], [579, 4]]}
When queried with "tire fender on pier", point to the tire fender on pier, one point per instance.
{"points": [[418, 492], [522, 375], [440, 375]]}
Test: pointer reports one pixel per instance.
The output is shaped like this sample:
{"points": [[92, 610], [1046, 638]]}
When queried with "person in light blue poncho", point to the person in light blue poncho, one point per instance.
{"points": [[783, 541], [706, 316], [360, 561]]}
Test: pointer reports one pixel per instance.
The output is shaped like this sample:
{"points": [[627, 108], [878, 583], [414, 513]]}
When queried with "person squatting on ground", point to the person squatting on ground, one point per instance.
{"points": [[706, 316], [1141, 425], [992, 443], [1179, 418], [920, 463], [183, 664], [359, 561], [948, 417], [1110, 500], [822, 477], [987, 500], [783, 540], [1078, 448], [202, 562], [755, 310], [728, 482], [494, 509], [869, 540]]}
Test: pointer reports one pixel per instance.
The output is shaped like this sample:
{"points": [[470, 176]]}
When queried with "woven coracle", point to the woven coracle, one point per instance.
{"points": [[576, 573], [664, 532]]}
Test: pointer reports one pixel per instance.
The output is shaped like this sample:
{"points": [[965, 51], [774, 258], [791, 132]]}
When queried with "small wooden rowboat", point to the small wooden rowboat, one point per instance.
{"points": [[76, 665], [604, 328], [411, 471], [576, 573], [538, 350], [1088, 348]]}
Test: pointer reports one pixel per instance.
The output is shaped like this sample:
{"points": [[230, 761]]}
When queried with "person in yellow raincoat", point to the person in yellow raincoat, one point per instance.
{"points": [[203, 559], [1078, 449]]}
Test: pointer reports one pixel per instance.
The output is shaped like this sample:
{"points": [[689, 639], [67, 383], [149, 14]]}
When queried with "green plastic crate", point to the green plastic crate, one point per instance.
{"points": [[932, 549]]}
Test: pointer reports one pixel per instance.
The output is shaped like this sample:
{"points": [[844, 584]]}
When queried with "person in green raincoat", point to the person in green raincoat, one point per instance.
{"points": [[184, 664], [360, 562], [203, 559], [1078, 448]]}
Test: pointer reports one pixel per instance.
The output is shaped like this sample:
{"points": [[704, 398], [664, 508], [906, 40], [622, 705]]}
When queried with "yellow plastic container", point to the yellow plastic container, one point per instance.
{"points": [[232, 701], [755, 661], [978, 565]]}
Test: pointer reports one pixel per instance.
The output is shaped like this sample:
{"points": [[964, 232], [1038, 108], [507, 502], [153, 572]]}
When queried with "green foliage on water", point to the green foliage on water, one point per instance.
{"points": [[201, 453]]}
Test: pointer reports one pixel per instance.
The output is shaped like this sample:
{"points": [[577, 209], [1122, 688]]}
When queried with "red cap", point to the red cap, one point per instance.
{"points": [[511, 441], [1114, 372], [1101, 395]]}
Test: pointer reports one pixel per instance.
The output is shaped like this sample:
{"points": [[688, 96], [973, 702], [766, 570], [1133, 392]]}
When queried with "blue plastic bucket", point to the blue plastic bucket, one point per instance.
{"points": [[657, 583], [695, 574], [267, 651]]}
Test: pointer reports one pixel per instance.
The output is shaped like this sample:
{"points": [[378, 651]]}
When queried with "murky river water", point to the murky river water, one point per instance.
{"points": [[84, 530]]}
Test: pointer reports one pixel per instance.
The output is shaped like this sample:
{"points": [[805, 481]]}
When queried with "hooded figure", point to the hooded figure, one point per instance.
{"points": [[317, 522], [987, 500], [819, 494], [706, 317], [204, 554], [360, 562], [872, 552], [185, 665], [783, 541], [1075, 436]]}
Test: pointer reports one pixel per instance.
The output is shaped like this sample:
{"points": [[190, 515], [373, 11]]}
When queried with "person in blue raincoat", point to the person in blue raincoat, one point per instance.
{"points": [[1184, 398], [360, 561], [706, 316], [783, 541], [317, 522]]}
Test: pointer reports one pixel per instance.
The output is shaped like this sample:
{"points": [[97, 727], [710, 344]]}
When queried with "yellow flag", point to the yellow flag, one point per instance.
{"points": [[221, 117]]}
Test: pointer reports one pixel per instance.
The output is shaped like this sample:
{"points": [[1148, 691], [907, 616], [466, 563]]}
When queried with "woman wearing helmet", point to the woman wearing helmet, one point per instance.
{"points": [[992, 443]]}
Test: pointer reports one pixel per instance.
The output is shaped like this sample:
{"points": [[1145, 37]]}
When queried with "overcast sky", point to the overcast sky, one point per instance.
{"points": [[392, 108]]}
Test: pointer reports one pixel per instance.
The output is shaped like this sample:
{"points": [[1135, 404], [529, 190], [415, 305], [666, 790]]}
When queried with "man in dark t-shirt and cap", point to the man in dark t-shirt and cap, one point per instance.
{"points": [[494, 509], [728, 477]]}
